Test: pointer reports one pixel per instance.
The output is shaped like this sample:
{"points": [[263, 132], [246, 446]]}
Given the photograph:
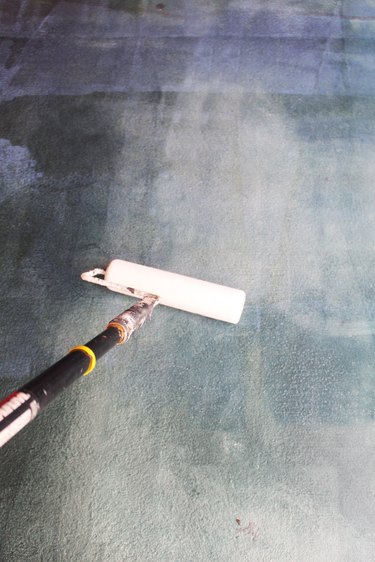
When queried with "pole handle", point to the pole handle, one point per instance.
{"points": [[22, 406]]}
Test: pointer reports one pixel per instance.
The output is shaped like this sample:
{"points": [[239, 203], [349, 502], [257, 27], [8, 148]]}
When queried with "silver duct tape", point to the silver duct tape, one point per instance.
{"points": [[134, 318]]}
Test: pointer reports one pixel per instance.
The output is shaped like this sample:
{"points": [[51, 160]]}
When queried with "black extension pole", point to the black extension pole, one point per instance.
{"points": [[23, 405]]}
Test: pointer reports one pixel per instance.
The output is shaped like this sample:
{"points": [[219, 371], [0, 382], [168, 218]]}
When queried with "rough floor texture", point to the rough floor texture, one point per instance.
{"points": [[227, 140]]}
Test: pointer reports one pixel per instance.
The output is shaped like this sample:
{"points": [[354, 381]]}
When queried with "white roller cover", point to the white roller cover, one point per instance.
{"points": [[179, 291]]}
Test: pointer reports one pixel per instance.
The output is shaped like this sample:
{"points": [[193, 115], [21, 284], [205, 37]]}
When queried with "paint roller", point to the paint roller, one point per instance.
{"points": [[152, 287]]}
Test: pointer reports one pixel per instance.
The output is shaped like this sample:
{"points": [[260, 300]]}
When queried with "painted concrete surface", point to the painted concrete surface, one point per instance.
{"points": [[232, 142]]}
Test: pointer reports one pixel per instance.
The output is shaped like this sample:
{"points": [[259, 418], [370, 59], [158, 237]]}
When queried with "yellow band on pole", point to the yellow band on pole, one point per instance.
{"points": [[89, 352]]}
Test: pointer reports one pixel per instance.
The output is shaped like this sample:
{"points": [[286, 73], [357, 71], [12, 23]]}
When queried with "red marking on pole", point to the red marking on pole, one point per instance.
{"points": [[5, 400]]}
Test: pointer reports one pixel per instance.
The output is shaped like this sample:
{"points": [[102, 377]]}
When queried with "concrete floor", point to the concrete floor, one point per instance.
{"points": [[227, 140]]}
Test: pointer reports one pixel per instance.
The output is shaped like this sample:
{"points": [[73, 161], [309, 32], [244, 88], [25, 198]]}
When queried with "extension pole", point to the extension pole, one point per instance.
{"points": [[23, 405]]}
